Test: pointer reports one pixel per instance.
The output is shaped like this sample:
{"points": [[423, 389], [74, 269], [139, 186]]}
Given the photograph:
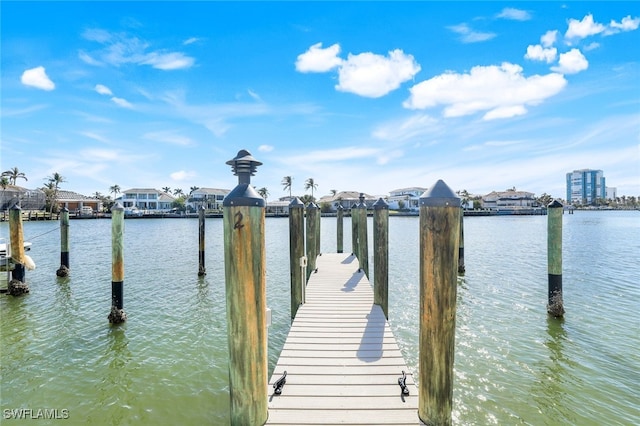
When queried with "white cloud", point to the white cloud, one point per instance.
{"points": [[503, 91], [103, 90], [333, 155], [37, 77], [571, 62], [549, 38], [190, 40], [265, 148], [121, 102], [514, 14], [121, 48], [88, 59], [371, 75], [539, 53], [627, 24], [169, 137], [317, 59], [407, 129], [182, 175], [585, 28], [470, 36], [168, 61]]}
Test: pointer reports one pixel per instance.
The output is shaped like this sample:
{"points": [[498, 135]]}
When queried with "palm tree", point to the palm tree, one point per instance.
{"points": [[264, 193], [115, 190], [333, 192], [166, 189], [310, 184], [193, 189], [54, 181], [13, 174], [287, 181], [178, 191]]}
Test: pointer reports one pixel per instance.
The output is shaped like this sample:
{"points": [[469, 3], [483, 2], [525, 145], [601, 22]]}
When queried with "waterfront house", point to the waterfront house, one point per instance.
{"points": [[28, 199], [210, 198], [74, 202], [408, 198], [347, 199], [509, 200], [146, 199]]}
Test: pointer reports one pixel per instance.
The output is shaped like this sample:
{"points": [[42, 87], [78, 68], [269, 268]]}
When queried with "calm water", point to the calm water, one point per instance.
{"points": [[167, 364]]}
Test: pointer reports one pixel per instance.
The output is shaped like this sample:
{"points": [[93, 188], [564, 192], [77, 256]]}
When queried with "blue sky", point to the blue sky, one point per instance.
{"points": [[362, 96]]}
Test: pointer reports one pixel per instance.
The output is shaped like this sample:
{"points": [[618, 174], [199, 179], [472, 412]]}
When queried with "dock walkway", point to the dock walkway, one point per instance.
{"points": [[341, 358]]}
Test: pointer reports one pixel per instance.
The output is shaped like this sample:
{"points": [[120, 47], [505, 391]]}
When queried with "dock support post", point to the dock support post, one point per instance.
{"points": [[461, 268], [18, 285], [439, 233], [117, 314], [202, 271], [311, 236], [63, 270], [363, 243], [381, 255], [340, 229], [245, 284], [318, 222], [296, 251], [555, 305]]}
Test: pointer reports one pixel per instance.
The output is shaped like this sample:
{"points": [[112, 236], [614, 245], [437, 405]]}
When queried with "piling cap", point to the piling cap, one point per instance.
{"points": [[554, 204], [439, 195], [340, 207], [117, 207], [380, 204], [312, 205], [296, 204], [244, 166]]}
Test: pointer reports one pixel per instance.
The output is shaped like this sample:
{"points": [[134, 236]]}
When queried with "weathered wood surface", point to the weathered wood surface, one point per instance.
{"points": [[341, 358]]}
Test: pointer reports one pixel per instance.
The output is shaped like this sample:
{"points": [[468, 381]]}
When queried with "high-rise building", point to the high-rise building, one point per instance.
{"points": [[585, 186]]}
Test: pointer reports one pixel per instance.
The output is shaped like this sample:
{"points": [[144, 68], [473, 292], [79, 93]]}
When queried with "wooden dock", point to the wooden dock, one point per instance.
{"points": [[341, 358]]}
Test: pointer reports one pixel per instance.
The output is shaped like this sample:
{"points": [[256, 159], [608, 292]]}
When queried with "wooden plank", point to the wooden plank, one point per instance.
{"points": [[342, 360]]}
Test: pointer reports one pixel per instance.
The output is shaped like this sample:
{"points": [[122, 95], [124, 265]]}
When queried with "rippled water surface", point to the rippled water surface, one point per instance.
{"points": [[167, 364]]}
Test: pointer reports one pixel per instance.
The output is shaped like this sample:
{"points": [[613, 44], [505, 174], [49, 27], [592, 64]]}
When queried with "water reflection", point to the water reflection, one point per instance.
{"points": [[553, 377]]}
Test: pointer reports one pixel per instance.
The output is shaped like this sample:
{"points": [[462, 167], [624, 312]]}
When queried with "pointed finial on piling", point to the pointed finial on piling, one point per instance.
{"points": [[244, 166], [380, 204], [439, 195]]}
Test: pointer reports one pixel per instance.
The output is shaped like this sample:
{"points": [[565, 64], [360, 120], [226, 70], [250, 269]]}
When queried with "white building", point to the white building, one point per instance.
{"points": [[612, 193], [408, 198], [146, 199], [347, 199], [508, 199], [210, 198]]}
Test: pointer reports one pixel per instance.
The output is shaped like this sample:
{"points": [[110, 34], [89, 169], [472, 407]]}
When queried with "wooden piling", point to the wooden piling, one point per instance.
{"points": [[296, 251], [461, 268], [555, 304], [245, 283], [340, 229], [363, 238], [202, 271], [318, 223], [354, 229], [381, 255], [311, 237], [117, 314], [18, 284], [439, 234], [63, 270]]}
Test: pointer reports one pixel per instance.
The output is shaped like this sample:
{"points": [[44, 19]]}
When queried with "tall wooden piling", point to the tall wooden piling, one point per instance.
{"points": [[354, 229], [439, 234], [311, 237], [340, 229], [18, 284], [555, 305], [245, 283], [63, 270], [381, 255], [296, 251], [117, 314], [318, 222], [202, 271], [363, 238], [461, 268]]}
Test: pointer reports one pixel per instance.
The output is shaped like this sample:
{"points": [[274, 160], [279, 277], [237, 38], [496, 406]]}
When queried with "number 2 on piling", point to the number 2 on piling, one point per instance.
{"points": [[238, 223]]}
